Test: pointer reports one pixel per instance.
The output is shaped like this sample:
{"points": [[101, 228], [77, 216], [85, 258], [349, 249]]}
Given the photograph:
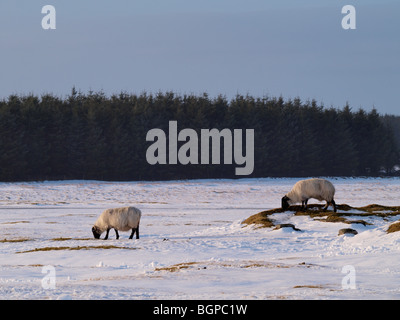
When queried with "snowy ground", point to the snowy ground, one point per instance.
{"points": [[192, 245]]}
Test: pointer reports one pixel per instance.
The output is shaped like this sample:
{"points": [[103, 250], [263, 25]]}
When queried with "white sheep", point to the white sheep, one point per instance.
{"points": [[122, 219], [303, 190]]}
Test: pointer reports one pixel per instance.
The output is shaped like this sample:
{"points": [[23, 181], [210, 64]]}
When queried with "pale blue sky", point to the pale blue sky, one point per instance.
{"points": [[288, 47]]}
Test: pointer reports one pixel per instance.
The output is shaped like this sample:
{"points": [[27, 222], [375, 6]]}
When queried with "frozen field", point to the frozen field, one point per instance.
{"points": [[192, 245]]}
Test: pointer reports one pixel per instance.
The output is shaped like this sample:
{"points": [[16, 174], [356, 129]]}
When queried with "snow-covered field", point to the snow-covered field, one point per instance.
{"points": [[192, 245]]}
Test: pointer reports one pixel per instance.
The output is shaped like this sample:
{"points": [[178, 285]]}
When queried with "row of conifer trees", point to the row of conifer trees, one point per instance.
{"points": [[94, 136]]}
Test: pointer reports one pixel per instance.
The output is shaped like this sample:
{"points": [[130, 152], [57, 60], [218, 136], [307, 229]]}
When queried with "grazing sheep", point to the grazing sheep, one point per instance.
{"points": [[122, 219], [303, 190]]}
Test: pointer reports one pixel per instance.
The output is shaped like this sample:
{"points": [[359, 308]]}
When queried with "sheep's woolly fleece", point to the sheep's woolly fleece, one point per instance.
{"points": [[122, 219], [312, 188]]}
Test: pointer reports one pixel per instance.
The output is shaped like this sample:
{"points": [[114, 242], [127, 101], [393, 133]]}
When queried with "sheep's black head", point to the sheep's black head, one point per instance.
{"points": [[96, 232], [285, 202]]}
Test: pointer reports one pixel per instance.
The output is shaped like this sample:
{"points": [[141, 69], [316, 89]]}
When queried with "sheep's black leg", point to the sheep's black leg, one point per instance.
{"points": [[304, 205], [133, 232], [106, 237], [334, 205], [116, 233]]}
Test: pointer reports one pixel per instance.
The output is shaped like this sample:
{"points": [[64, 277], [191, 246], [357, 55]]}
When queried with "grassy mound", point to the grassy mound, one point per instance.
{"points": [[394, 227], [263, 219]]}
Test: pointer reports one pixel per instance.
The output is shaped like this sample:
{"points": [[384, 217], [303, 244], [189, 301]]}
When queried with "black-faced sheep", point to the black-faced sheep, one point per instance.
{"points": [[122, 219], [303, 190]]}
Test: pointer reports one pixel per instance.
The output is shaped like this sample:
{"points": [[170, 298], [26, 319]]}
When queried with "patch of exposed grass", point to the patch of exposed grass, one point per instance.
{"points": [[263, 265], [245, 264], [15, 222], [311, 287], [14, 240], [262, 219], [61, 239], [75, 248], [374, 208], [335, 218], [394, 227], [338, 218], [66, 239], [176, 267]]}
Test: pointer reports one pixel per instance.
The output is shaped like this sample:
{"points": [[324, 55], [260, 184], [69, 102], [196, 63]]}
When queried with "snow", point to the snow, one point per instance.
{"points": [[192, 243]]}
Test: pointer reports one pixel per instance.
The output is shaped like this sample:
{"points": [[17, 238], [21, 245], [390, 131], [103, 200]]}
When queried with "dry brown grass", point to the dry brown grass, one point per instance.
{"points": [[263, 219], [244, 264], [75, 248], [394, 227], [311, 287], [176, 267], [66, 239], [14, 240], [15, 222]]}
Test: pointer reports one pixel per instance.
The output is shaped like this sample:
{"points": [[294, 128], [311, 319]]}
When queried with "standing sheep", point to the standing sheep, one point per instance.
{"points": [[122, 219], [303, 190]]}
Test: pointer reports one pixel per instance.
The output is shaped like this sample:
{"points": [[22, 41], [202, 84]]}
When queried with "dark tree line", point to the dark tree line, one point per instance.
{"points": [[92, 136]]}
